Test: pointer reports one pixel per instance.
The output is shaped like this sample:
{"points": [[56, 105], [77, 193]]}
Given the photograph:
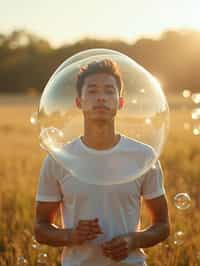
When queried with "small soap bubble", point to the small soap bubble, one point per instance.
{"points": [[34, 118], [179, 238], [52, 138], [35, 245], [42, 259], [182, 201], [196, 98], [21, 261], [186, 93]]}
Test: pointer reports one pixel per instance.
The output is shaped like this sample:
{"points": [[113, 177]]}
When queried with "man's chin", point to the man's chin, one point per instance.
{"points": [[101, 119]]}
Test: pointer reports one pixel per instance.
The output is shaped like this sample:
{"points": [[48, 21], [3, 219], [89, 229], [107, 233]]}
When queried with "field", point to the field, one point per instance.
{"points": [[20, 161]]}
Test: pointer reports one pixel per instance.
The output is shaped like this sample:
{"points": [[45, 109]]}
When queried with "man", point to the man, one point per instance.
{"points": [[101, 222]]}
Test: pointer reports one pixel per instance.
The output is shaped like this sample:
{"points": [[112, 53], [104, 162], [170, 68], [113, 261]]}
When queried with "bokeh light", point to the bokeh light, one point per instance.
{"points": [[179, 238], [186, 93], [34, 118]]}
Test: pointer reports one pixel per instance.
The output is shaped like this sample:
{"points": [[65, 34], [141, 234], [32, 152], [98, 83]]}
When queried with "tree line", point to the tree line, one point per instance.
{"points": [[27, 60]]}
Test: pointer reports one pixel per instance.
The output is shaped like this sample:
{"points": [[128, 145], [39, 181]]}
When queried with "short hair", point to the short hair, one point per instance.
{"points": [[107, 66]]}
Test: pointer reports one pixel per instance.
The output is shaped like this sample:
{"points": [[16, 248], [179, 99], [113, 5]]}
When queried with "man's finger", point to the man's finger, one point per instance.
{"points": [[117, 243], [116, 251], [89, 229], [91, 237], [85, 222], [84, 227], [96, 230], [119, 258], [89, 221]]}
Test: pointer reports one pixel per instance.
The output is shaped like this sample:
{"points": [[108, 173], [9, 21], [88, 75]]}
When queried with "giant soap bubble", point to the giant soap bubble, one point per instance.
{"points": [[81, 97]]}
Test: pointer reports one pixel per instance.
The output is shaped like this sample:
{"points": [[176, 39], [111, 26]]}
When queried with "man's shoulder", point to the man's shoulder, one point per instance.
{"points": [[136, 145], [72, 144]]}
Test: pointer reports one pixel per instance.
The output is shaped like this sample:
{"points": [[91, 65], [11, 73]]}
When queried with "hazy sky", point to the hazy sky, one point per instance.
{"points": [[64, 21]]}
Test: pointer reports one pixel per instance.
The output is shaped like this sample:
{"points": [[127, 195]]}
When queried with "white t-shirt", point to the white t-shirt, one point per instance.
{"points": [[117, 206]]}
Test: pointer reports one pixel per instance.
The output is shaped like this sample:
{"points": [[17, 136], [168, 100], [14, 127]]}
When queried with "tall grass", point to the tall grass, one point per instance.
{"points": [[20, 161]]}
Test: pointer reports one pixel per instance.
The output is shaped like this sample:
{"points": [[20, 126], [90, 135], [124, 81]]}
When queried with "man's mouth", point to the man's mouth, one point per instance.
{"points": [[101, 107]]}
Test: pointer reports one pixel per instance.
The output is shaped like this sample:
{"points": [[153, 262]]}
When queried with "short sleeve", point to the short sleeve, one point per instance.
{"points": [[152, 186], [48, 186]]}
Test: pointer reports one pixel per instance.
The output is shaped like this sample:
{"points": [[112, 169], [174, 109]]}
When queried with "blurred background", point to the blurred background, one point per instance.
{"points": [[35, 38]]}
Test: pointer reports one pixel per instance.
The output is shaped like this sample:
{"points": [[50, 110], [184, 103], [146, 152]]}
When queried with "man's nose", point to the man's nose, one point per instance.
{"points": [[101, 97]]}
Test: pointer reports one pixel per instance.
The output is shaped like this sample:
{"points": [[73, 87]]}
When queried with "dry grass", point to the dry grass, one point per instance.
{"points": [[20, 161]]}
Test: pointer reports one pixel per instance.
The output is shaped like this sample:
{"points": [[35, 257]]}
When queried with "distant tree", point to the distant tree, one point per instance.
{"points": [[27, 60]]}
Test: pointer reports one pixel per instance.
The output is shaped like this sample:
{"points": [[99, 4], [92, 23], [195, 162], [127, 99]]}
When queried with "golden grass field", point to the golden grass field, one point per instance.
{"points": [[20, 161]]}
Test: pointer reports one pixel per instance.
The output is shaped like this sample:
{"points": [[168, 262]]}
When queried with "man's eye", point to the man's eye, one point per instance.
{"points": [[110, 91]]}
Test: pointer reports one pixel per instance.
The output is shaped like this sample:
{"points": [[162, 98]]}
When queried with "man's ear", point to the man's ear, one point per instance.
{"points": [[121, 102], [78, 102]]}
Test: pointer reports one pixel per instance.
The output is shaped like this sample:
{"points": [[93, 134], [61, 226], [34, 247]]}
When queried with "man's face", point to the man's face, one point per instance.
{"points": [[100, 97]]}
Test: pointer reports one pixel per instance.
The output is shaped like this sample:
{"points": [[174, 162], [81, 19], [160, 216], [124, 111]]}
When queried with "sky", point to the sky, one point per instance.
{"points": [[66, 21]]}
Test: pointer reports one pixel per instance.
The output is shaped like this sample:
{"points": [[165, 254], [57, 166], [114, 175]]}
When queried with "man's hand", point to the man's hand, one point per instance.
{"points": [[85, 230], [118, 248]]}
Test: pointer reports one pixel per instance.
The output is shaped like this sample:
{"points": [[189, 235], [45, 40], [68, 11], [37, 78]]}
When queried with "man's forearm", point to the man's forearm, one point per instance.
{"points": [[150, 236], [50, 234]]}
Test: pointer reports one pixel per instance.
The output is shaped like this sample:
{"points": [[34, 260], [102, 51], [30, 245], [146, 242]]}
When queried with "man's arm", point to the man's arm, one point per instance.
{"points": [[160, 226], [48, 233], [118, 248], [45, 231]]}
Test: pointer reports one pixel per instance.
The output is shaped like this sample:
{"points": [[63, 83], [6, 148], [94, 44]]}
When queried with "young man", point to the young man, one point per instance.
{"points": [[101, 222]]}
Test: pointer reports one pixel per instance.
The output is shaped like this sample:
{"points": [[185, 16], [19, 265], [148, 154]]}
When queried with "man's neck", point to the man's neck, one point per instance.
{"points": [[100, 136]]}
